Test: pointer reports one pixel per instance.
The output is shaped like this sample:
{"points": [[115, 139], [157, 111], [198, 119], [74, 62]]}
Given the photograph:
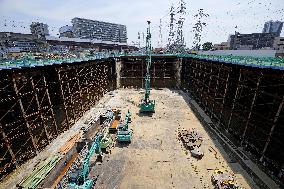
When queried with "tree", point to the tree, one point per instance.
{"points": [[207, 46]]}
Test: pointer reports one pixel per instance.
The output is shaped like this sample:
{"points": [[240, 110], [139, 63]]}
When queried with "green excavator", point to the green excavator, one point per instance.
{"points": [[147, 105], [124, 134], [106, 141], [80, 179]]}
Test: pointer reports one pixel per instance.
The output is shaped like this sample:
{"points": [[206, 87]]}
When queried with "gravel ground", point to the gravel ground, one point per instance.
{"points": [[156, 158]]}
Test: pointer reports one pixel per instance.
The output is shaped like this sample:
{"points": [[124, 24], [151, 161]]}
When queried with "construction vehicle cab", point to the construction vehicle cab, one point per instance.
{"points": [[115, 121], [124, 134]]}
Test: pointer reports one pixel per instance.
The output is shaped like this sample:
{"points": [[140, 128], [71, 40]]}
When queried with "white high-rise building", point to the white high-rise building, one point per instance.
{"points": [[93, 29]]}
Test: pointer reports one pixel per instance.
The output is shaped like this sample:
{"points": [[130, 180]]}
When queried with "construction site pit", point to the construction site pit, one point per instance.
{"points": [[156, 157]]}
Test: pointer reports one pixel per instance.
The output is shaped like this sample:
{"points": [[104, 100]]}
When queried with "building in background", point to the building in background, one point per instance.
{"points": [[39, 29], [66, 31], [273, 27], [59, 44], [18, 42], [104, 31], [252, 41], [279, 46], [221, 46]]}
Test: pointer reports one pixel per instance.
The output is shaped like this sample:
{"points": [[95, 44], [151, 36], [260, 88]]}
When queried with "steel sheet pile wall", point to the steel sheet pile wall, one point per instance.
{"points": [[246, 102], [37, 104], [133, 70]]}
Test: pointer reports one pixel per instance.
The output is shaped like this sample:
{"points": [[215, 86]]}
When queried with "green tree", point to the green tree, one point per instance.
{"points": [[207, 46]]}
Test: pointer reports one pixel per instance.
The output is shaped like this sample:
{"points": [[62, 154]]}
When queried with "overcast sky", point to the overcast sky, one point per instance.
{"points": [[248, 15]]}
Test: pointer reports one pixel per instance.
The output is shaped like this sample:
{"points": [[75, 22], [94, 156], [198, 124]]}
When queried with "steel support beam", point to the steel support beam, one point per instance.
{"points": [[251, 107], [234, 100], [5, 138], [24, 113], [40, 110], [63, 97], [80, 90], [50, 104], [215, 93], [280, 108]]}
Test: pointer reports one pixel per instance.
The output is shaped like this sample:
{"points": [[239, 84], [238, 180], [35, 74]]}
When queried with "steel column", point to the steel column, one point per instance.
{"points": [[251, 107], [23, 112], [40, 111], [234, 100], [280, 108]]}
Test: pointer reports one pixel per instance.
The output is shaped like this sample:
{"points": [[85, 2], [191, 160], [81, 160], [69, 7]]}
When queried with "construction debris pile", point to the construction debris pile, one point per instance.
{"points": [[223, 180], [111, 119], [192, 140]]}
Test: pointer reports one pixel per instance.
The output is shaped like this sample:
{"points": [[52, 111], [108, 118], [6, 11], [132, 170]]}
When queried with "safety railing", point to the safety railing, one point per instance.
{"points": [[32, 62], [263, 62]]}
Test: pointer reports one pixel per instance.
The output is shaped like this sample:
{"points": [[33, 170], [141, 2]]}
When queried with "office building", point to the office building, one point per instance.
{"points": [[104, 31], [279, 46], [18, 42], [252, 41], [39, 29], [221, 46], [273, 27]]}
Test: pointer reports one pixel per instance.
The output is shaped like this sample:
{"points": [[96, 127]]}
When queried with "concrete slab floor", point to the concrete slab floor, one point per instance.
{"points": [[156, 158]]}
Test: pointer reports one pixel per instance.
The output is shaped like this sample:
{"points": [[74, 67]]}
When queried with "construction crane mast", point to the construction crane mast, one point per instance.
{"points": [[147, 105]]}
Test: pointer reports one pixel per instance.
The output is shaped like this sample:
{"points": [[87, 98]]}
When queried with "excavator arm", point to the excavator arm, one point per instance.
{"points": [[82, 179]]}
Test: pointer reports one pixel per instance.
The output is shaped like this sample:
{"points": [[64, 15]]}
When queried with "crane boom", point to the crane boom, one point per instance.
{"points": [[148, 62], [148, 105], [95, 148], [127, 120]]}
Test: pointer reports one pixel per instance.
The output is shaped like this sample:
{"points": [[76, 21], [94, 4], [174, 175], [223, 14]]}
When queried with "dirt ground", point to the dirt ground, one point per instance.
{"points": [[156, 158]]}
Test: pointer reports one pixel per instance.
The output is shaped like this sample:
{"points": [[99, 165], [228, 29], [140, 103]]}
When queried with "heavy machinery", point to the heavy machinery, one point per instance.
{"points": [[106, 140], [107, 117], [115, 121], [146, 104], [124, 134], [111, 119], [80, 179]]}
